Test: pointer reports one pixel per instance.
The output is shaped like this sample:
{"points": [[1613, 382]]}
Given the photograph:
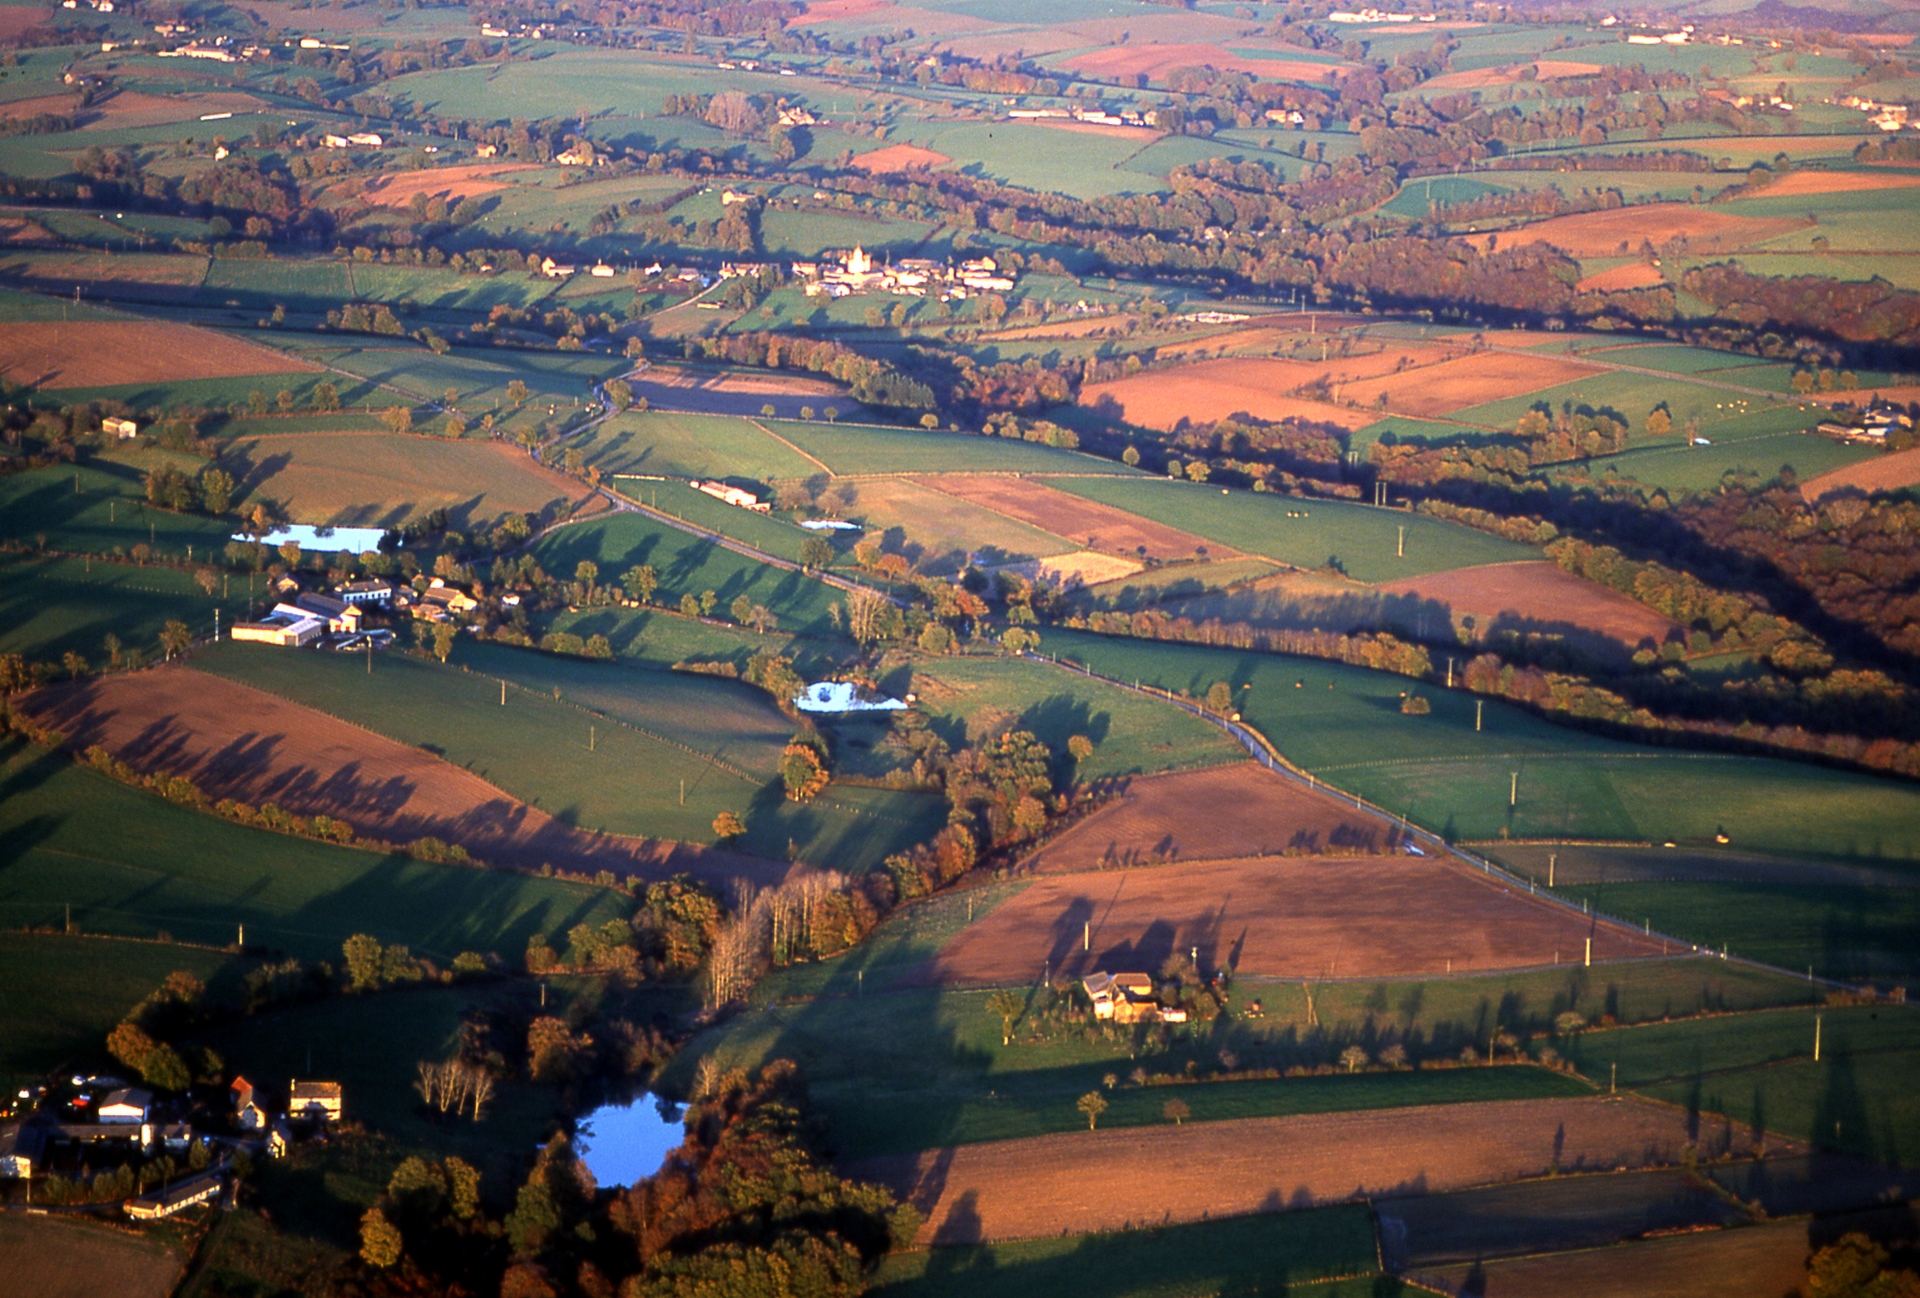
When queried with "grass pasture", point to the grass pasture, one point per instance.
{"points": [[609, 753], [690, 446], [96, 507], [1265, 1253], [939, 531], [1759, 1069], [849, 449], [1345, 725], [132, 864], [1304, 534], [686, 564], [66, 993], [49, 607], [775, 536]]}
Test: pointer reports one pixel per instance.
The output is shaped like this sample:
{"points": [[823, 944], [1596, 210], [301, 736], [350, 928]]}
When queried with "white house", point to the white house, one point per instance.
{"points": [[373, 591], [120, 428], [22, 1145], [129, 1104], [313, 1100], [733, 496]]}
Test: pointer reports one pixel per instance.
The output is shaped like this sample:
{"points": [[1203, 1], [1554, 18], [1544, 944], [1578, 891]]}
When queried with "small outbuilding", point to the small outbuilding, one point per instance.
{"points": [[129, 1104]]}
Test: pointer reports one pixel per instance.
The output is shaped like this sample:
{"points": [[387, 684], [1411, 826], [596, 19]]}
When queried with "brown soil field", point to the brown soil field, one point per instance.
{"points": [[63, 1257], [1220, 812], [1601, 234], [828, 11], [1167, 28], [40, 103], [1072, 571], [1884, 473], [1537, 597], [1621, 278], [467, 181], [1836, 182], [1103, 527], [1282, 917], [1469, 381], [132, 108], [184, 270], [21, 230], [1148, 1176], [1209, 391], [242, 743], [18, 19], [899, 157], [99, 353], [1479, 78], [334, 18], [769, 383], [1143, 134], [1768, 1259], [1155, 61], [375, 479]]}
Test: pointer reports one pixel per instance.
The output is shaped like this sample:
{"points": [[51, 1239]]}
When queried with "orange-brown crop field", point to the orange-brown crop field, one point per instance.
{"points": [[102, 353]]}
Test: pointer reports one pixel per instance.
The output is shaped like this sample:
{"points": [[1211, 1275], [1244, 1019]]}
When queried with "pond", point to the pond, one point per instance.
{"points": [[624, 1143], [356, 539]]}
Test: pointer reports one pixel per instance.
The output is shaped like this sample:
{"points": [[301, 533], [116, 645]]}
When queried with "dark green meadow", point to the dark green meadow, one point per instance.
{"points": [[1281, 1253], [1344, 724], [127, 862], [602, 746]]}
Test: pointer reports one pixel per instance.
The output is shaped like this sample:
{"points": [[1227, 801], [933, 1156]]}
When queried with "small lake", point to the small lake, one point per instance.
{"points": [[624, 1143], [356, 539]]}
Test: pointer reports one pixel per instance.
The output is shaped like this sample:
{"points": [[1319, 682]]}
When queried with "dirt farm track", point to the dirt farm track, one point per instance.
{"points": [[1147, 1176], [238, 742]]}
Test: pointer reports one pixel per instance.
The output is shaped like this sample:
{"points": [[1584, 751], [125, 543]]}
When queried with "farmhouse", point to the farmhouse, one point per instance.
{"points": [[128, 1104], [288, 626], [733, 496], [320, 1100], [181, 1195], [373, 591], [446, 599], [340, 616], [249, 1109], [1127, 998], [120, 428], [556, 269], [22, 1144]]}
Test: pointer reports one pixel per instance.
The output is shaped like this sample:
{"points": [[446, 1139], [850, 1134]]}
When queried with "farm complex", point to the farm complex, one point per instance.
{"points": [[938, 647]]}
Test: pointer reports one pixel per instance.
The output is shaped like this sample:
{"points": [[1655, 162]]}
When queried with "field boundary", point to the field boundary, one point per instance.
{"points": [[1266, 754]]}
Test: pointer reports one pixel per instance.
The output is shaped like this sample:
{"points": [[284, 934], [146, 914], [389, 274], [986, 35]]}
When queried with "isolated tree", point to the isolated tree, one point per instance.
{"points": [[802, 772], [517, 392], [364, 956], [816, 552], [690, 605], [929, 421], [1080, 748], [216, 490], [641, 582], [1220, 696], [1659, 421], [1008, 1006], [766, 410], [1093, 1104], [1176, 1111], [75, 663], [806, 413], [1354, 1058], [453, 426], [709, 600], [174, 638], [741, 608], [443, 634], [1130, 457], [586, 572], [380, 1241], [1197, 470], [398, 419], [111, 643], [832, 413], [635, 348], [866, 615], [727, 827], [325, 397], [619, 393]]}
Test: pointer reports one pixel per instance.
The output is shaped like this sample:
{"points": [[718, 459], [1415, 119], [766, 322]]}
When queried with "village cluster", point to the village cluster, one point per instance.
{"points": [[91, 1123], [340, 620]]}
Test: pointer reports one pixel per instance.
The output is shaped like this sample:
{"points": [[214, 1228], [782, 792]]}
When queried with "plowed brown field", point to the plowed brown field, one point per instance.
{"points": [[1147, 1176], [1283, 917], [1837, 182], [1766, 1259], [101, 353], [1884, 473], [1100, 527], [1637, 274], [899, 157], [1211, 814], [468, 181], [1155, 61], [1537, 597], [1209, 391], [1602, 234], [242, 743], [1469, 381]]}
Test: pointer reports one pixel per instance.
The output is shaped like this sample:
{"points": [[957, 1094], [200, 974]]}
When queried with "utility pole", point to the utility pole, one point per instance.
{"points": [[1816, 1038], [1589, 963], [1513, 792], [1551, 858], [1401, 551], [1479, 706]]}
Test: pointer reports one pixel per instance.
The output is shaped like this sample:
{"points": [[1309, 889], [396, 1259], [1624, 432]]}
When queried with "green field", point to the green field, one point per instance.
{"points": [[856, 450], [101, 505], [49, 607], [64, 994], [687, 565], [1759, 445], [775, 536], [1277, 1253], [558, 383], [690, 446], [1759, 1068], [968, 699], [609, 753], [129, 863], [1344, 724], [1363, 540], [1840, 931]]}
